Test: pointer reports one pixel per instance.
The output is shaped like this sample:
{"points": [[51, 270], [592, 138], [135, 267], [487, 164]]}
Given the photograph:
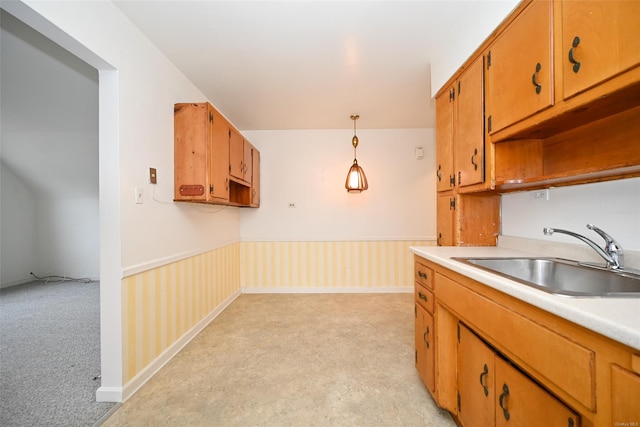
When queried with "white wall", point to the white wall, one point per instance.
{"points": [[613, 206], [137, 90], [309, 168], [68, 237], [481, 17], [18, 229]]}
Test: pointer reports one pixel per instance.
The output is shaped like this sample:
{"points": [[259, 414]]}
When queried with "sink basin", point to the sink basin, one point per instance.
{"points": [[561, 276]]}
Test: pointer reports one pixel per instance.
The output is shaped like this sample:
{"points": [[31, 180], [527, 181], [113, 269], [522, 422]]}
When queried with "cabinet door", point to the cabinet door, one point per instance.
{"points": [[599, 40], [521, 402], [625, 397], [476, 388], [469, 126], [192, 151], [444, 140], [255, 177], [519, 68], [425, 347], [445, 213], [236, 154], [219, 156]]}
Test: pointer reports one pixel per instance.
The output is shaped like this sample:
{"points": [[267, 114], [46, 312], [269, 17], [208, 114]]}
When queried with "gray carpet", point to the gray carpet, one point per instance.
{"points": [[50, 355]]}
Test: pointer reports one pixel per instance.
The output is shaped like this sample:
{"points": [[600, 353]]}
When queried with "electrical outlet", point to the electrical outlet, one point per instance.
{"points": [[153, 178], [540, 194], [138, 194]]}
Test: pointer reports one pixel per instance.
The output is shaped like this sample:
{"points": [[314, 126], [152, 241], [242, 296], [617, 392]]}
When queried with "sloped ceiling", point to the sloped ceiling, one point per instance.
{"points": [[49, 114]]}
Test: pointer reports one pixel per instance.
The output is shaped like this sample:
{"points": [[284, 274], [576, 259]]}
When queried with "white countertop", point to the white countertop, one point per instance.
{"points": [[616, 318]]}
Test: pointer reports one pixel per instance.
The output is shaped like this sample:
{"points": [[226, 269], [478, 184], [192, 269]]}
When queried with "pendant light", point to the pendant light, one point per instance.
{"points": [[356, 179]]}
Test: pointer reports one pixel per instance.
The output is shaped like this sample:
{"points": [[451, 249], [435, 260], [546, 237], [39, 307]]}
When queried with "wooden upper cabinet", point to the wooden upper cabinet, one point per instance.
{"points": [[201, 152], [520, 68], [599, 40], [213, 163], [444, 140], [445, 206], [236, 154], [255, 177], [469, 126]]}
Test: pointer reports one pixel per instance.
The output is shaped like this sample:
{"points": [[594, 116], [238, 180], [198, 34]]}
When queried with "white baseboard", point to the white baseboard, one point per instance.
{"points": [[17, 282], [117, 394], [325, 290]]}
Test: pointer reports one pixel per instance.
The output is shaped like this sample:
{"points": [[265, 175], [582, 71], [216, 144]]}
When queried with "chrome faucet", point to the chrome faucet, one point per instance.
{"points": [[612, 251]]}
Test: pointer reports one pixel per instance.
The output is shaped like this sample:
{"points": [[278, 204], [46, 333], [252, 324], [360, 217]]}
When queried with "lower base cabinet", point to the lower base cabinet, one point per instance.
{"points": [[492, 392], [493, 360], [425, 350]]}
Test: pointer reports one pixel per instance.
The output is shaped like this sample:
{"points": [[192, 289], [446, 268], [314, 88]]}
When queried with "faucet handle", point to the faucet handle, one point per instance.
{"points": [[613, 248], [607, 238]]}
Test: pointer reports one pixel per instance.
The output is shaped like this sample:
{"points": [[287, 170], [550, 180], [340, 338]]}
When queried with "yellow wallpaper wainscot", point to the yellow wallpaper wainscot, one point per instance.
{"points": [[352, 266], [162, 306]]}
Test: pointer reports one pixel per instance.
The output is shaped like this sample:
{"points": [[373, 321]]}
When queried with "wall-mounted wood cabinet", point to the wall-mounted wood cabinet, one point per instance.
{"points": [[549, 121], [203, 150], [520, 68]]}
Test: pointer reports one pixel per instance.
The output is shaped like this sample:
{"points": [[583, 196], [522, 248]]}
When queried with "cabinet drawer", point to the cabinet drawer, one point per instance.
{"points": [[422, 273], [424, 297], [545, 354]]}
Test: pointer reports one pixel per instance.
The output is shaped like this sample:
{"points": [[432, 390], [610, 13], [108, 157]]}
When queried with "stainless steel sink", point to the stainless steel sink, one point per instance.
{"points": [[561, 276]]}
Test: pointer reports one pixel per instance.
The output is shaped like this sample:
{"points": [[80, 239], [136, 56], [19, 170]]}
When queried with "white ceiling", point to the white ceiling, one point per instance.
{"points": [[311, 64]]}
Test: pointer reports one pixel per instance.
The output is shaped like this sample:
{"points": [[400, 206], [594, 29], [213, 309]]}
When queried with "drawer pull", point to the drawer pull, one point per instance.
{"points": [[422, 296], [425, 337], [439, 173], [572, 59], [504, 396], [534, 78], [483, 377], [473, 159], [422, 275]]}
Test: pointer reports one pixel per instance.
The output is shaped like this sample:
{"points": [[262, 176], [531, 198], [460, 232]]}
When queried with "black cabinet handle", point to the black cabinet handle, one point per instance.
{"points": [[572, 59], [439, 173], [423, 296], [534, 78], [425, 337], [438, 239], [473, 159], [504, 395], [423, 275], [484, 375]]}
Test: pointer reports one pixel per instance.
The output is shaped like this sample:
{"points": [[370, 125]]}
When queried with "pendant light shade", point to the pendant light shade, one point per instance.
{"points": [[356, 179]]}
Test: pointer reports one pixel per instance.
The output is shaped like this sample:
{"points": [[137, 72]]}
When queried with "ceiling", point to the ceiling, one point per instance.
{"points": [[311, 64]]}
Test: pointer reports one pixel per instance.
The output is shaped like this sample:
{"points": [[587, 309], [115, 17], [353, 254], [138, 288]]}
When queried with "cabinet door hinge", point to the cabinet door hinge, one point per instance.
{"points": [[458, 333], [452, 180], [459, 406], [489, 123], [452, 95], [211, 189], [458, 87], [452, 204], [210, 116], [489, 60]]}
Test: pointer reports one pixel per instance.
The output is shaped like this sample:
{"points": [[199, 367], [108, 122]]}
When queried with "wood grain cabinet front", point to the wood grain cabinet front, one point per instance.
{"points": [[201, 153], [493, 360], [520, 68], [206, 146], [492, 392], [599, 40]]}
